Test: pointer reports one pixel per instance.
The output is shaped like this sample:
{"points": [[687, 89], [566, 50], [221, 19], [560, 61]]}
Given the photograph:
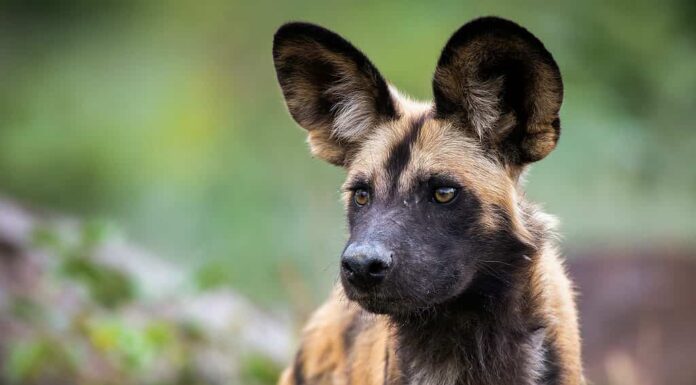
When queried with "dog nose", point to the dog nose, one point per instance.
{"points": [[365, 266]]}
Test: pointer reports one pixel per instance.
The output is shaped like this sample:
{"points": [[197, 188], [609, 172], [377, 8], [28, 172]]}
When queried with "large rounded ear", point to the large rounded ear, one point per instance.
{"points": [[500, 84], [331, 89]]}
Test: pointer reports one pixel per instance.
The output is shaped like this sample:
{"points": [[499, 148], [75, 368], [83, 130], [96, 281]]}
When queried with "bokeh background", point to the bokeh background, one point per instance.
{"points": [[160, 124]]}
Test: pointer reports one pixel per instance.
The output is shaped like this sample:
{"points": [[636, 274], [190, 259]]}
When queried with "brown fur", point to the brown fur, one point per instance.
{"points": [[533, 337], [548, 290]]}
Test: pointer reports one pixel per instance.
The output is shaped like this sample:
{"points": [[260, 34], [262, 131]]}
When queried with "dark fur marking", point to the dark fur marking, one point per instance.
{"points": [[483, 313], [552, 369], [490, 26], [440, 240], [322, 74], [386, 365], [298, 369], [520, 70], [351, 331], [400, 154]]}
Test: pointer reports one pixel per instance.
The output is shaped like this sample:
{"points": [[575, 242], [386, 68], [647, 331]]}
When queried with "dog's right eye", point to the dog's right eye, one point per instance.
{"points": [[444, 195], [361, 197]]}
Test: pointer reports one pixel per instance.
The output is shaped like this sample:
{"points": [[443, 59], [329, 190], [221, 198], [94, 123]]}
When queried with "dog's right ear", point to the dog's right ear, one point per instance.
{"points": [[331, 89], [497, 82]]}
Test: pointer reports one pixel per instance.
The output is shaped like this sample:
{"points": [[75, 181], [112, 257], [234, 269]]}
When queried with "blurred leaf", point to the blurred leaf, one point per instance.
{"points": [[212, 275], [44, 236], [93, 233], [192, 332], [107, 286], [259, 370], [160, 334], [129, 347], [31, 361], [27, 310]]}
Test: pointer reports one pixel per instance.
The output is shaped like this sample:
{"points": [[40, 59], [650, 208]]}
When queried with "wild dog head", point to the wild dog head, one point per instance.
{"points": [[432, 188]]}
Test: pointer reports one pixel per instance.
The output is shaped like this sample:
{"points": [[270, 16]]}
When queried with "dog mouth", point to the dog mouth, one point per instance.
{"points": [[378, 302], [379, 305], [374, 300], [399, 301]]}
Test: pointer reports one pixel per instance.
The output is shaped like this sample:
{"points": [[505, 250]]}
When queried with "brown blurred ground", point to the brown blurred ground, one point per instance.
{"points": [[638, 312]]}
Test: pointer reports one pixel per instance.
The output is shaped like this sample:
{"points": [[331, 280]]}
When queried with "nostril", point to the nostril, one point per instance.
{"points": [[377, 267], [347, 267], [364, 269]]}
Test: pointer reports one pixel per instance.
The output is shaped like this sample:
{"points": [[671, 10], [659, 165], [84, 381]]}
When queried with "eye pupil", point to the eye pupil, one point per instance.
{"points": [[444, 194], [361, 197]]}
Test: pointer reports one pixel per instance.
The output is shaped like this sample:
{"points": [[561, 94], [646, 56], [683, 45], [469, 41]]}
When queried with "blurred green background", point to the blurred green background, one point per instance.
{"points": [[165, 119]]}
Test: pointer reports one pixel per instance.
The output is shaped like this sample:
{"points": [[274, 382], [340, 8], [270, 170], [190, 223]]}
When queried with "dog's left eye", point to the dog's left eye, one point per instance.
{"points": [[444, 194], [361, 197]]}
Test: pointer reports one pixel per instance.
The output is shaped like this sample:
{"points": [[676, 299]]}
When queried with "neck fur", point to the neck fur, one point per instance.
{"points": [[488, 335]]}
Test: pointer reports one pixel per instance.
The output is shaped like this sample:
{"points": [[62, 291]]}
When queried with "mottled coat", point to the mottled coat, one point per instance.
{"points": [[450, 276]]}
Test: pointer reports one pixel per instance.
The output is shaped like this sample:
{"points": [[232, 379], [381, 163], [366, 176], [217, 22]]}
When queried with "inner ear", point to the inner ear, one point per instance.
{"points": [[498, 82], [331, 89]]}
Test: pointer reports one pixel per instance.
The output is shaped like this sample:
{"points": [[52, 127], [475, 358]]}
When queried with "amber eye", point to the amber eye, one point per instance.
{"points": [[361, 197], [444, 194]]}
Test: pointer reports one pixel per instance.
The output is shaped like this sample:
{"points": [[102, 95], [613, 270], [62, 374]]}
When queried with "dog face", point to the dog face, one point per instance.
{"points": [[432, 188]]}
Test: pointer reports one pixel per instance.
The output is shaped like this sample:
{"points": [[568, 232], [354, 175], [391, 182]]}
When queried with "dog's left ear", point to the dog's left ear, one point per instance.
{"points": [[498, 82]]}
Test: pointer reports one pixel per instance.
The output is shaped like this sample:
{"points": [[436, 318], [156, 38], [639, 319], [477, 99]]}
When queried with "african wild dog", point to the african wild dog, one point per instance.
{"points": [[450, 275]]}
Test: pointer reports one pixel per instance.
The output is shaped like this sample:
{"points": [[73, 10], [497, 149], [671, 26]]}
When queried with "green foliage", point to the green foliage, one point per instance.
{"points": [[83, 322], [131, 348], [29, 361], [106, 285], [26, 309], [259, 370], [167, 118], [212, 275]]}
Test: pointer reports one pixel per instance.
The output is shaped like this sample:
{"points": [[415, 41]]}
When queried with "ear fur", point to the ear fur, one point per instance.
{"points": [[331, 89], [500, 84]]}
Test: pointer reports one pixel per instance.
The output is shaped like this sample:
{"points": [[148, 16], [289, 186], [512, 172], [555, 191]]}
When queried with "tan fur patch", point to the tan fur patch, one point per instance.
{"points": [[440, 149]]}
